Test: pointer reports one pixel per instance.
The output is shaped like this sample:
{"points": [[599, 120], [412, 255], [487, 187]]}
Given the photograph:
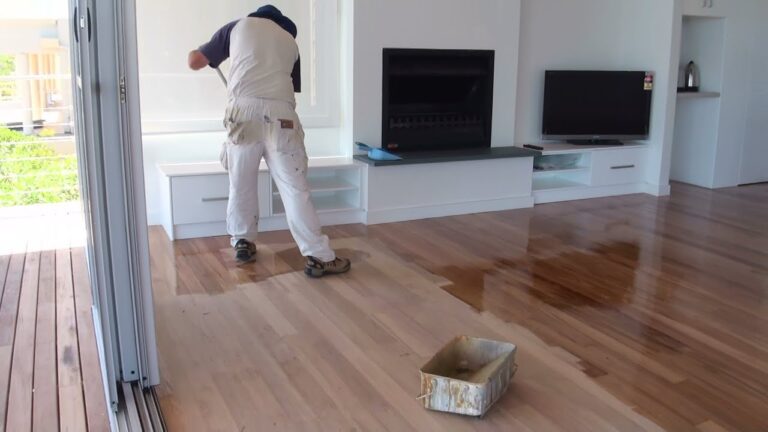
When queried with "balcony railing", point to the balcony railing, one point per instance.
{"points": [[36, 170], [38, 163]]}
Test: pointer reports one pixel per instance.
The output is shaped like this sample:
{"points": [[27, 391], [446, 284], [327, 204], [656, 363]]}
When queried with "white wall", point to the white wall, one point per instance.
{"points": [[739, 30], [436, 24], [652, 42], [562, 34], [754, 163]]}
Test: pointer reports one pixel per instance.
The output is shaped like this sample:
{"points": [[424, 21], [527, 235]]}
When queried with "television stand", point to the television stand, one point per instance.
{"points": [[595, 142]]}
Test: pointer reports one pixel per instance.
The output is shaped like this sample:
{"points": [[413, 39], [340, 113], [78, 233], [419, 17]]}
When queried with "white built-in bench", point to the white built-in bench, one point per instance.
{"points": [[345, 190], [195, 196]]}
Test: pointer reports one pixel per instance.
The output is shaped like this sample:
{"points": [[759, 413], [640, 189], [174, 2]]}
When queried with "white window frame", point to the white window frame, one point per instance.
{"points": [[320, 70], [323, 66]]}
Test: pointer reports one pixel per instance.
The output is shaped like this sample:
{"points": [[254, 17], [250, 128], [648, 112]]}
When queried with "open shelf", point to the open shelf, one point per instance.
{"points": [[328, 184], [698, 114], [549, 172], [548, 183], [323, 204], [697, 95], [332, 190], [555, 148]]}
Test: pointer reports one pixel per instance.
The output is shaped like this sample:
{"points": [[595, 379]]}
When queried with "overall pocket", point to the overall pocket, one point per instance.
{"points": [[289, 144], [235, 131], [289, 135], [241, 129]]}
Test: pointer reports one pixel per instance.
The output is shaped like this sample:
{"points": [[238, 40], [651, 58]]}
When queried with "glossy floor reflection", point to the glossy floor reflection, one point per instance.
{"points": [[657, 306]]}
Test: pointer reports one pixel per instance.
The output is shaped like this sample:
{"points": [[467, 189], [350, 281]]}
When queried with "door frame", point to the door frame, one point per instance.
{"points": [[110, 162]]}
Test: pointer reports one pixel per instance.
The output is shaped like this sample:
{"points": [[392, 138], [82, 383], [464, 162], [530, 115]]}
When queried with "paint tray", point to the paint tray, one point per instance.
{"points": [[467, 376]]}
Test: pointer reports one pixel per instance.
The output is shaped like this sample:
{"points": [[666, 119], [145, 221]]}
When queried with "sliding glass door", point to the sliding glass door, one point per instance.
{"points": [[109, 150]]}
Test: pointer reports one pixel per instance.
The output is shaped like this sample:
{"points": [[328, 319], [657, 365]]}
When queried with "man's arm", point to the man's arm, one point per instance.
{"points": [[296, 76], [213, 52], [197, 60]]}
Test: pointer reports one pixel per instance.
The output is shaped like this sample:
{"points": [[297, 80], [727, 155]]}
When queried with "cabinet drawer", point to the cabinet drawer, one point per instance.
{"points": [[198, 199], [613, 167]]}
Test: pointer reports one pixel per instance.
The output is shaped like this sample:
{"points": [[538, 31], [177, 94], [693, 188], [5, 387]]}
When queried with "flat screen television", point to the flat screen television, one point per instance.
{"points": [[597, 107]]}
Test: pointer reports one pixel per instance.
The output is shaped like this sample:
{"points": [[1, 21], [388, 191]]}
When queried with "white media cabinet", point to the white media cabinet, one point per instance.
{"points": [[600, 171], [346, 191]]}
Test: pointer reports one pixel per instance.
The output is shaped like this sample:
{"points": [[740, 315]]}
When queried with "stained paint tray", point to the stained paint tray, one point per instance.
{"points": [[467, 376]]}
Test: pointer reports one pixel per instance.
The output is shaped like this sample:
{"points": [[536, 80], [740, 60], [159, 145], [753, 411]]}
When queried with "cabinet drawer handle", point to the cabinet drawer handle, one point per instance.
{"points": [[205, 200], [622, 167]]}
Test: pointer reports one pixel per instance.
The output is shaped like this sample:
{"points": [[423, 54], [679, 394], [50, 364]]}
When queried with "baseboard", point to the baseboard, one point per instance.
{"points": [[198, 230], [442, 210], [658, 190]]}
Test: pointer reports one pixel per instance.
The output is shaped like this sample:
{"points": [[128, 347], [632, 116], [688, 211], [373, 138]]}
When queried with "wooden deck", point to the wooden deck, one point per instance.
{"points": [[49, 368], [630, 313]]}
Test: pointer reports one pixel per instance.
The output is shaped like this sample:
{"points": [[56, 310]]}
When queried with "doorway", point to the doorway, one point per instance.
{"points": [[49, 360]]}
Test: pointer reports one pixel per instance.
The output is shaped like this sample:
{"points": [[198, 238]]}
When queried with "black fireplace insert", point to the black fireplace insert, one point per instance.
{"points": [[437, 99]]}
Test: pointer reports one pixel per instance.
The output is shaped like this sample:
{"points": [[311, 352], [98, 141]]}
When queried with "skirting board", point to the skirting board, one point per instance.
{"points": [[198, 230], [453, 209], [658, 190], [572, 194]]}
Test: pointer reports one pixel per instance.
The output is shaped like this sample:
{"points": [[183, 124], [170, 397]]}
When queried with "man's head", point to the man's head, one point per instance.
{"points": [[272, 13]]}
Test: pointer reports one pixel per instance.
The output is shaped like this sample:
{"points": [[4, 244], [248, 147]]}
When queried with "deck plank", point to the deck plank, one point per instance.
{"points": [[47, 338], [5, 261], [71, 404], [22, 365], [46, 397], [9, 308], [93, 389]]}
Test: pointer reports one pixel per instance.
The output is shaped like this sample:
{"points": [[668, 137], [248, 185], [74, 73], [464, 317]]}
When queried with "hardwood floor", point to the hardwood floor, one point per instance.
{"points": [[630, 313], [49, 367]]}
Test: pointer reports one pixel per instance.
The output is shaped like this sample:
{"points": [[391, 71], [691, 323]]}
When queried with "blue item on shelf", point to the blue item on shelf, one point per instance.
{"points": [[377, 153]]}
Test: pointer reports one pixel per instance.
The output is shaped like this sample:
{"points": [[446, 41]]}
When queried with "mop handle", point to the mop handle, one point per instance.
{"points": [[221, 75]]}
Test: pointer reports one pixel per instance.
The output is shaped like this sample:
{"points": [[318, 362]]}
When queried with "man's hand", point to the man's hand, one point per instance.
{"points": [[197, 60]]}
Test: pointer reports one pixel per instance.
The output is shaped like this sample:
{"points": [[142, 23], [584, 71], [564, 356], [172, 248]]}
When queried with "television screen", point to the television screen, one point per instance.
{"points": [[597, 105]]}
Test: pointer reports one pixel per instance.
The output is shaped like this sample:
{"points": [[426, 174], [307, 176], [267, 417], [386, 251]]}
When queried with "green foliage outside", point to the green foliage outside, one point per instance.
{"points": [[7, 66], [32, 173]]}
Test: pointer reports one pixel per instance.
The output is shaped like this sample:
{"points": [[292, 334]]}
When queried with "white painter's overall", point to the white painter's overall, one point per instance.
{"points": [[270, 129]]}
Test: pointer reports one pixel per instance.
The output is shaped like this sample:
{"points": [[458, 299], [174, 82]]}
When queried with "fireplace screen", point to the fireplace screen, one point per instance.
{"points": [[437, 99]]}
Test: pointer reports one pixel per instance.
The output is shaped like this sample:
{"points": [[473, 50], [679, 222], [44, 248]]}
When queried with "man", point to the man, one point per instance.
{"points": [[261, 121]]}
